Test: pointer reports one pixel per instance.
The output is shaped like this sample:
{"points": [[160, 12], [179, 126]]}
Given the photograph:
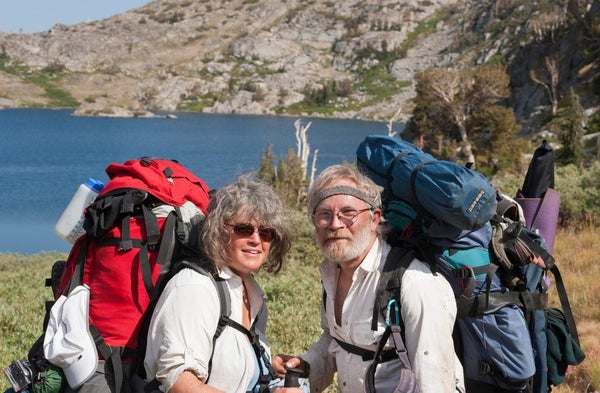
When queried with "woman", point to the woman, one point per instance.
{"points": [[246, 229]]}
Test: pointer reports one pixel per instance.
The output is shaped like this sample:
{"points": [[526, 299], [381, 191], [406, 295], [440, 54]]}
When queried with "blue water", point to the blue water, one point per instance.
{"points": [[46, 154]]}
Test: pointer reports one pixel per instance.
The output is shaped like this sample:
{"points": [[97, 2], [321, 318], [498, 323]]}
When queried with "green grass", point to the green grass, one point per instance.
{"points": [[206, 101], [11, 67], [57, 97], [23, 297]]}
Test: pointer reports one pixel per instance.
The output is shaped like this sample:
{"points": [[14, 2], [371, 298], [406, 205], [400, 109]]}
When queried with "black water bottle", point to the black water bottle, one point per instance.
{"points": [[291, 378]]}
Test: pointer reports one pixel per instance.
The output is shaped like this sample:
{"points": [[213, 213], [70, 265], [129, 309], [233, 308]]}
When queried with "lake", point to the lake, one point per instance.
{"points": [[46, 154]]}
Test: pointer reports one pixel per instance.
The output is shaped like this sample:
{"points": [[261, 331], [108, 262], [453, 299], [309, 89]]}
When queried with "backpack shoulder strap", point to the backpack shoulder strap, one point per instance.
{"points": [[224, 300], [387, 298], [388, 288], [225, 320], [407, 381], [205, 269]]}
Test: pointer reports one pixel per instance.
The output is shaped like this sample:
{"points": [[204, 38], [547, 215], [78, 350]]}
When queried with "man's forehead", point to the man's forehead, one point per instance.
{"points": [[342, 200], [346, 188]]}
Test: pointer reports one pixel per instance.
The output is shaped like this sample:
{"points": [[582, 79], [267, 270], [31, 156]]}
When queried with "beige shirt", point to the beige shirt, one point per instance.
{"points": [[428, 311], [182, 328]]}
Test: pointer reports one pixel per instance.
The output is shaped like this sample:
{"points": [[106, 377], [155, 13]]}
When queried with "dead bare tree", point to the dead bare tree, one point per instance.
{"points": [[303, 149], [550, 81], [455, 95], [391, 132], [450, 87]]}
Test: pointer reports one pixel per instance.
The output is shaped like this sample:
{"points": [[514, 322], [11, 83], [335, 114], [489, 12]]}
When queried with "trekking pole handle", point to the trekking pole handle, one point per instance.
{"points": [[291, 378]]}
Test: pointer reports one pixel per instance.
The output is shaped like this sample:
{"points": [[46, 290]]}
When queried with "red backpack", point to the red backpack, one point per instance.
{"points": [[147, 216]]}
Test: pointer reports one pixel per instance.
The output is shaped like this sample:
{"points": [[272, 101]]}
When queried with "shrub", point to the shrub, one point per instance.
{"points": [[580, 202]]}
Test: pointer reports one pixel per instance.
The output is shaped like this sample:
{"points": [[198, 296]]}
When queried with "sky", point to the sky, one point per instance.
{"points": [[31, 16]]}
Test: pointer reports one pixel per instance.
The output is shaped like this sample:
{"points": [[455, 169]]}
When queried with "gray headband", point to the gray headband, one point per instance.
{"points": [[343, 190]]}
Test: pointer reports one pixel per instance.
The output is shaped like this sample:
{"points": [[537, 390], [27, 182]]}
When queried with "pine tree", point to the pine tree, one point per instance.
{"points": [[290, 181], [498, 149], [266, 173], [570, 122]]}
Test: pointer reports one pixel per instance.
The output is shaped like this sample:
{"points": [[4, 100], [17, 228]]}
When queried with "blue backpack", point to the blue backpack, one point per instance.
{"points": [[492, 336], [447, 191], [500, 333]]}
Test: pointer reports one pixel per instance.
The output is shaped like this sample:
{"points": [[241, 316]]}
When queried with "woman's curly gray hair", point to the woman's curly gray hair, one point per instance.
{"points": [[246, 199]]}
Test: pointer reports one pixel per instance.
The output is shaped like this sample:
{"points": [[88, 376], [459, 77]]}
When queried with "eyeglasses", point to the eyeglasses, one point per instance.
{"points": [[324, 218], [247, 230]]}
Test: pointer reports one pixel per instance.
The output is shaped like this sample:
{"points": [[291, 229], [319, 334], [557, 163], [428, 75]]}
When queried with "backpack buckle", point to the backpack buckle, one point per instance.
{"points": [[392, 303]]}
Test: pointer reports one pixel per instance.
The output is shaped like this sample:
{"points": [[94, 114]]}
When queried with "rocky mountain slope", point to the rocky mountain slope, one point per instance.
{"points": [[261, 57]]}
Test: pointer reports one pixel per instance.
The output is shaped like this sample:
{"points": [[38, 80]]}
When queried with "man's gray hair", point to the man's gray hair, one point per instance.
{"points": [[366, 189]]}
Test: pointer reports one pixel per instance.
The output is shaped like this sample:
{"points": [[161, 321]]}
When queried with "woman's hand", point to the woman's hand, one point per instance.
{"points": [[288, 390]]}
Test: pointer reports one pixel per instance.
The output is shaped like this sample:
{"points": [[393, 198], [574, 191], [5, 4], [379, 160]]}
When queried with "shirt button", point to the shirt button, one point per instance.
{"points": [[344, 384]]}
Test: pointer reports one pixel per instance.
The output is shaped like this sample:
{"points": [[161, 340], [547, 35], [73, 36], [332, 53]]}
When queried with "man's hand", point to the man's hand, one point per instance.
{"points": [[281, 363]]}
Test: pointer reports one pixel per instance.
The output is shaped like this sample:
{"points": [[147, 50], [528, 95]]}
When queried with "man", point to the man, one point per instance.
{"points": [[345, 210]]}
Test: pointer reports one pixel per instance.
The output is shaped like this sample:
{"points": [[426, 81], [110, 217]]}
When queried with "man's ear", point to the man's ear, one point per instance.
{"points": [[376, 218]]}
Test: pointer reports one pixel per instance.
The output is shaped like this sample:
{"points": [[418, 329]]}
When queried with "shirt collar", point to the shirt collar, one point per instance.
{"points": [[371, 261], [227, 274]]}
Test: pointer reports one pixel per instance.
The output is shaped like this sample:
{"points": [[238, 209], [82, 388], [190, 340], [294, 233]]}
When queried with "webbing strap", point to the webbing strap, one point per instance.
{"points": [[111, 355], [388, 176], [167, 249], [407, 380], [399, 347], [125, 243], [151, 226], [78, 273], [366, 354], [488, 282], [413, 181], [259, 351], [564, 302], [147, 272], [478, 305]]}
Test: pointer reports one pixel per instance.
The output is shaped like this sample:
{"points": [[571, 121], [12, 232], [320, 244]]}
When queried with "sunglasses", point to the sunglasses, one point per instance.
{"points": [[247, 230]]}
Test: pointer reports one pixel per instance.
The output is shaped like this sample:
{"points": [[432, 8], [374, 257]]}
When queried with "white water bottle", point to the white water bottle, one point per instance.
{"points": [[70, 224]]}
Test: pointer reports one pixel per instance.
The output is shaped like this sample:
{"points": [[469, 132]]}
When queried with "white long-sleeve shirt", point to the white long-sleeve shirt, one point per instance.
{"points": [[182, 328], [428, 311]]}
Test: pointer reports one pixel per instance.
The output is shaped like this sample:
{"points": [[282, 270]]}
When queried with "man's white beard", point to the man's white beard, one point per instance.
{"points": [[349, 250]]}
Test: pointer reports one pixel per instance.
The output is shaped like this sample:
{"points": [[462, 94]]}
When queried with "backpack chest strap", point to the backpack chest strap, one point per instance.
{"points": [[259, 351]]}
